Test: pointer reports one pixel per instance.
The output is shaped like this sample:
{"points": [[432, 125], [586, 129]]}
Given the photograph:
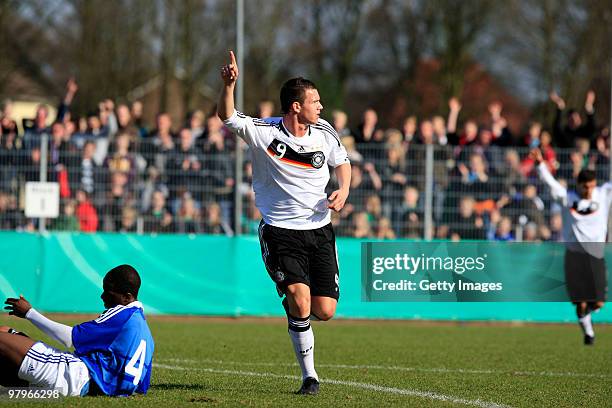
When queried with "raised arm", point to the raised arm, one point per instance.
{"points": [[22, 308], [251, 130], [370, 169], [229, 74], [589, 107], [64, 106], [453, 114], [557, 100], [71, 89], [589, 102], [558, 135], [558, 192]]}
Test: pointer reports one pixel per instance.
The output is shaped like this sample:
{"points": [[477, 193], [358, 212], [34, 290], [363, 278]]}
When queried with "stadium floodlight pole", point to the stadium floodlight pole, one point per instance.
{"points": [[44, 147], [429, 180], [239, 104]]}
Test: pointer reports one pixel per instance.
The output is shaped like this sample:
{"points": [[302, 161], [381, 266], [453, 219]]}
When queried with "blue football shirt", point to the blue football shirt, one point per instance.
{"points": [[117, 348]]}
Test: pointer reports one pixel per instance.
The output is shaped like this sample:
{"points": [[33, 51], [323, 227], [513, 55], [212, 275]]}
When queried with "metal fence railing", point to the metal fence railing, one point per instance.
{"points": [[156, 185], [455, 192]]}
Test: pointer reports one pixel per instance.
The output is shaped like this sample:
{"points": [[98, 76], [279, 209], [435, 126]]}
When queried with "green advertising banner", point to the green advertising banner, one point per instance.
{"points": [[225, 276], [465, 271]]}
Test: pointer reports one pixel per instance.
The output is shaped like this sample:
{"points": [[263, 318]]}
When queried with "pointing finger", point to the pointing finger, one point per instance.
{"points": [[232, 58]]}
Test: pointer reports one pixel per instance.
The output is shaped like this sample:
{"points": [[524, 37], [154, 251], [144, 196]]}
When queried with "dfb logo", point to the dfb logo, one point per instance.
{"points": [[318, 159]]}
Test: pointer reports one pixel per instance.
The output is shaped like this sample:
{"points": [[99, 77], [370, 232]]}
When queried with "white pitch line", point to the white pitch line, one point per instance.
{"points": [[399, 368], [373, 387]]}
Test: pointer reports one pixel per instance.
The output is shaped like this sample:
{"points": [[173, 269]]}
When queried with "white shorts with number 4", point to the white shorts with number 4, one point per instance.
{"points": [[48, 367]]}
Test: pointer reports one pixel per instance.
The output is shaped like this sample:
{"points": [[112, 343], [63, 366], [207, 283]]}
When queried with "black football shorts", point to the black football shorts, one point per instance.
{"points": [[301, 256], [585, 277]]}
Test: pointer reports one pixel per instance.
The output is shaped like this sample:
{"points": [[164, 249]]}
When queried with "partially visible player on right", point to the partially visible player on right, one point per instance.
{"points": [[585, 227]]}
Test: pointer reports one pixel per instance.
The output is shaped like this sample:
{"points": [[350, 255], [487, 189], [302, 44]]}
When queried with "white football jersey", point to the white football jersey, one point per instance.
{"points": [[290, 173], [584, 221]]}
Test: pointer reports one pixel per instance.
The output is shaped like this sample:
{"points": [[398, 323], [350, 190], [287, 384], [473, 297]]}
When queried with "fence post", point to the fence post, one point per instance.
{"points": [[239, 104], [429, 180], [44, 151]]}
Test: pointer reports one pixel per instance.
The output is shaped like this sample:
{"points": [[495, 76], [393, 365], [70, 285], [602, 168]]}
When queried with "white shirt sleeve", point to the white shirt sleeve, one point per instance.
{"points": [[58, 331], [251, 130], [557, 191], [338, 155], [607, 190]]}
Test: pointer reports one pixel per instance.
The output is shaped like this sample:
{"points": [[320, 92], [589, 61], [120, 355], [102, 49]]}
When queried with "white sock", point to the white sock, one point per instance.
{"points": [[302, 338], [586, 325]]}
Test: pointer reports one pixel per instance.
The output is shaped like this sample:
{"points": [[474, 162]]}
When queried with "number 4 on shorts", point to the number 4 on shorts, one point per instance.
{"points": [[139, 357]]}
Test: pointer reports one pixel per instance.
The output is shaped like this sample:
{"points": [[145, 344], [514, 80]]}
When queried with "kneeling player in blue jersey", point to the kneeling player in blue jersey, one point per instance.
{"points": [[112, 354]]}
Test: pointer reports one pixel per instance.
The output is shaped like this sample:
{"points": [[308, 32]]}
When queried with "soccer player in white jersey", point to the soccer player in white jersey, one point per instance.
{"points": [[112, 354], [585, 226], [290, 172]]}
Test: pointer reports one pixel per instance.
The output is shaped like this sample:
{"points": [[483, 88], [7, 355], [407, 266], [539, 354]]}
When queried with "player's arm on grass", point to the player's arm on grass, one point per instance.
{"points": [[557, 191], [20, 307]]}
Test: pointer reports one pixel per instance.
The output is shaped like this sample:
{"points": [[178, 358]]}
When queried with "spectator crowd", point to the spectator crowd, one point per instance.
{"points": [[118, 173]]}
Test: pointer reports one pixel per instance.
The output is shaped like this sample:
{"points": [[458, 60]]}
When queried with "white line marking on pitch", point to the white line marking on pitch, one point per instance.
{"points": [[399, 368], [366, 386]]}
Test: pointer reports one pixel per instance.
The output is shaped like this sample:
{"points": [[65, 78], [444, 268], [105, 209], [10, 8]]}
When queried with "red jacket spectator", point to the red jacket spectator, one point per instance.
{"points": [[86, 213]]}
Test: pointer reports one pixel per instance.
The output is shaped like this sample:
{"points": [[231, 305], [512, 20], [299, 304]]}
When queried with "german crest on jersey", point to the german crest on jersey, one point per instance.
{"points": [[317, 160]]}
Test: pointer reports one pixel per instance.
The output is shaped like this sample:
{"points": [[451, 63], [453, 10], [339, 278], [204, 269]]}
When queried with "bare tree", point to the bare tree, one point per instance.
{"points": [[28, 46], [401, 35], [543, 45], [461, 23], [358, 51], [327, 38]]}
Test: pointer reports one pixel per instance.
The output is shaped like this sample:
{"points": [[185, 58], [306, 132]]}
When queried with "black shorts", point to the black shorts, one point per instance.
{"points": [[301, 256], [585, 277]]}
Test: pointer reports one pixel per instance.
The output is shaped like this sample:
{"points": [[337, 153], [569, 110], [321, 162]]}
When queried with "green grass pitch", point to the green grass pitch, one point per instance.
{"points": [[250, 362]]}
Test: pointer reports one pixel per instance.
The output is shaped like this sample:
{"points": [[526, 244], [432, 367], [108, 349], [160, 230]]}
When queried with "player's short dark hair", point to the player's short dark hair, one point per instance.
{"points": [[294, 90], [124, 279], [585, 176]]}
